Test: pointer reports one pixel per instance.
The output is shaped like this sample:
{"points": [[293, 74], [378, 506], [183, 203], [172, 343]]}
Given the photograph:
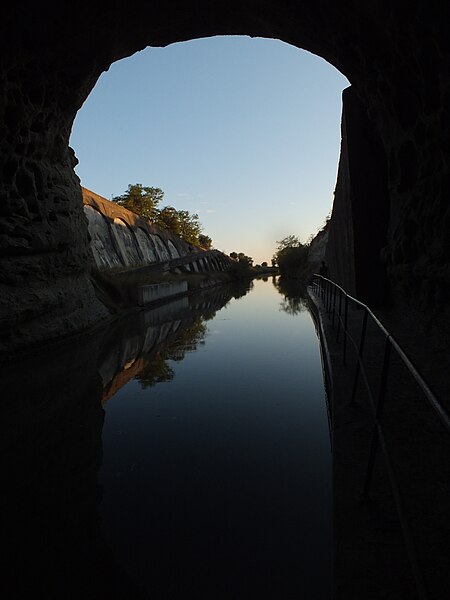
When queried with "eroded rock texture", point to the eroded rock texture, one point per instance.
{"points": [[360, 218], [396, 55]]}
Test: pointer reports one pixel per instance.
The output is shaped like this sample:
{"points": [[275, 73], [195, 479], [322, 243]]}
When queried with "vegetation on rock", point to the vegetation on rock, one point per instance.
{"points": [[141, 200]]}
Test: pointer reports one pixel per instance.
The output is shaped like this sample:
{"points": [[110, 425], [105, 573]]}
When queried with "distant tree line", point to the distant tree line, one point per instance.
{"points": [[242, 258], [243, 265], [145, 200], [291, 256]]}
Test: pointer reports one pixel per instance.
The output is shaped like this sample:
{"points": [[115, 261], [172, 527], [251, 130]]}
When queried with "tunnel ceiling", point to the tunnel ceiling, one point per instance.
{"points": [[395, 54]]}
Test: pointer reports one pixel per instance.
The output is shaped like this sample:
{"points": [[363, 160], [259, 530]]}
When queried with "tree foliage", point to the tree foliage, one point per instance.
{"points": [[168, 218], [205, 241], [144, 202], [245, 260], [291, 256], [290, 241], [242, 267], [141, 200], [190, 226], [181, 223]]}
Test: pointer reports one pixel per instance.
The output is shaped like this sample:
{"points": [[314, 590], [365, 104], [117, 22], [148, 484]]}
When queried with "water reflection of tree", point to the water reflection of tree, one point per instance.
{"points": [[241, 288], [156, 370], [293, 290], [188, 340], [189, 336]]}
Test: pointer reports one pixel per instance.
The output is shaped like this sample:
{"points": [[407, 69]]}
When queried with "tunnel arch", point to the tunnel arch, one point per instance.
{"points": [[395, 55]]}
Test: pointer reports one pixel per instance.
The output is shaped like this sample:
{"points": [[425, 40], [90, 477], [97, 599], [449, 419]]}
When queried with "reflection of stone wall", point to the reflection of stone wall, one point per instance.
{"points": [[52, 542], [133, 342], [51, 447]]}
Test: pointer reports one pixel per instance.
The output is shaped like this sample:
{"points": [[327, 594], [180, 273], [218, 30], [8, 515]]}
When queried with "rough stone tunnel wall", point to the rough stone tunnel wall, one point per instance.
{"points": [[396, 55], [359, 222]]}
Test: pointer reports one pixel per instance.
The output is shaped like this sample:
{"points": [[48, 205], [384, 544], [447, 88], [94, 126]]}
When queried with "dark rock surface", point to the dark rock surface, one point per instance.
{"points": [[359, 222], [396, 56]]}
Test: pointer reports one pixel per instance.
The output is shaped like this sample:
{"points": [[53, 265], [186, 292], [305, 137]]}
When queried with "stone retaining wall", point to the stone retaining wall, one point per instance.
{"points": [[120, 239]]}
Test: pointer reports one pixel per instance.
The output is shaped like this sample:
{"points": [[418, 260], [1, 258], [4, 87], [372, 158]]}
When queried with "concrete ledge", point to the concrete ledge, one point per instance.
{"points": [[160, 291]]}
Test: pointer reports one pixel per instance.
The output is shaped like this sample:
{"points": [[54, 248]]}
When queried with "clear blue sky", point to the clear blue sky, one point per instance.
{"points": [[245, 132]]}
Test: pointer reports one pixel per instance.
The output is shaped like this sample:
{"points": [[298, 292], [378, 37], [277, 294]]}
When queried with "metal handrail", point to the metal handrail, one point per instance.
{"points": [[327, 290], [431, 397]]}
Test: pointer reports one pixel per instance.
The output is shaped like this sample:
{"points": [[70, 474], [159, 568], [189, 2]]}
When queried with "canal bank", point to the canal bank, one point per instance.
{"points": [[390, 521]]}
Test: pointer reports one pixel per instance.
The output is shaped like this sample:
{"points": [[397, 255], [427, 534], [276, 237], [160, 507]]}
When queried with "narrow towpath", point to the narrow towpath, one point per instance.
{"points": [[379, 552]]}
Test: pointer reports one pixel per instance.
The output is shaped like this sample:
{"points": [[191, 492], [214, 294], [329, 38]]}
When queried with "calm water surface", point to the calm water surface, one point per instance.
{"points": [[216, 470]]}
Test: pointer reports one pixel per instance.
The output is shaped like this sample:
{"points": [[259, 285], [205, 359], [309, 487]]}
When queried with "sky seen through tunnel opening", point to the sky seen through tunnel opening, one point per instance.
{"points": [[244, 132]]}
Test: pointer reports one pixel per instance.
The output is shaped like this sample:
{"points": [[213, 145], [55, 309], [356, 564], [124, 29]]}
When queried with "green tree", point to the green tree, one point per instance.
{"points": [[243, 265], [181, 223], [190, 226], [144, 202], [168, 218], [293, 260], [205, 241], [290, 241], [141, 200], [291, 256], [245, 260]]}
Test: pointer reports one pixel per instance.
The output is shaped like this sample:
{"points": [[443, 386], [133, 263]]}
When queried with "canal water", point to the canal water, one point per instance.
{"points": [[185, 454], [216, 480]]}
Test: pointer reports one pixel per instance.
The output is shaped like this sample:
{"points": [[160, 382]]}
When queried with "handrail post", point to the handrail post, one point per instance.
{"points": [[334, 305], [344, 354], [339, 316], [359, 356], [329, 296], [378, 415], [377, 402]]}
